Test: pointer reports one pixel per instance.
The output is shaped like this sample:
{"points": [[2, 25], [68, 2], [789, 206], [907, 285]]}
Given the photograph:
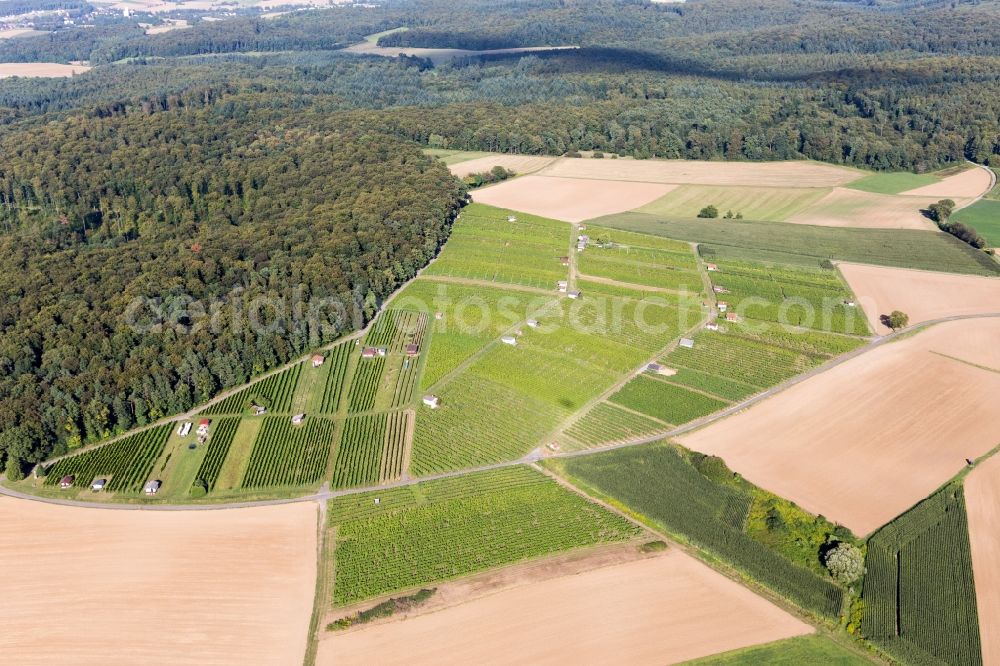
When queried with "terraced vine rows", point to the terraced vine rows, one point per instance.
{"points": [[336, 378], [289, 455], [277, 389], [126, 463], [222, 432]]}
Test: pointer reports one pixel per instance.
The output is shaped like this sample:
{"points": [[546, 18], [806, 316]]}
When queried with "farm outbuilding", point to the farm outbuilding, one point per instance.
{"points": [[298, 419], [98, 485], [720, 290], [574, 294], [533, 323], [318, 360], [151, 487], [511, 218], [711, 326], [66, 481], [368, 352], [564, 261], [184, 430], [654, 367], [509, 340], [731, 316], [712, 267], [412, 350], [432, 401], [723, 306], [687, 343], [258, 410]]}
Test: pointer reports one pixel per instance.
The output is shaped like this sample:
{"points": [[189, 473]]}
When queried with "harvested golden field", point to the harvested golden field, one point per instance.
{"points": [[982, 503], [744, 174], [521, 164], [657, 610], [971, 182], [569, 199], [185, 587], [48, 70], [853, 208], [922, 295], [868, 439], [754, 203]]}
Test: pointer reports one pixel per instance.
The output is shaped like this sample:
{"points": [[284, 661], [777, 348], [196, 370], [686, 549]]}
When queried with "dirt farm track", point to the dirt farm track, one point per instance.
{"points": [[214, 587]]}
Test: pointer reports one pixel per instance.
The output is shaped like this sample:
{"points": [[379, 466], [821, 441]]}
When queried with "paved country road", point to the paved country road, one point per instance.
{"points": [[325, 494]]}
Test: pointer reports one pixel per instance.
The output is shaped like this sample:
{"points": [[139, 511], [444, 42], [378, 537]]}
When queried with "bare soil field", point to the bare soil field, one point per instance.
{"points": [[186, 587], [972, 182], [922, 295], [853, 208], [521, 164], [167, 26], [569, 199], [746, 174], [982, 502], [656, 610], [868, 439], [49, 70]]}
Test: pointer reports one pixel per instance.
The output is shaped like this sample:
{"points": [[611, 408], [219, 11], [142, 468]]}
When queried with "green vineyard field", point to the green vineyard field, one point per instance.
{"points": [[365, 384], [370, 450], [126, 463], [277, 390], [656, 482], [606, 424], [333, 388], [919, 593], [222, 432], [452, 527], [289, 455], [663, 401]]}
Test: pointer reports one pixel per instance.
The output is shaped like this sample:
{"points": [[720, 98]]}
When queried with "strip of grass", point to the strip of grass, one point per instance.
{"points": [[985, 217], [811, 245], [893, 182], [800, 651]]}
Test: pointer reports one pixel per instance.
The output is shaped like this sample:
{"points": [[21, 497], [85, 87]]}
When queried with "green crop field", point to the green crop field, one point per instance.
{"points": [[365, 384], [289, 455], [126, 463], [810, 298], [275, 391], [809, 245], [396, 328], [893, 182], [657, 483], [452, 527], [501, 406], [919, 594], [666, 402], [754, 203], [471, 317], [221, 437], [985, 217], [607, 423], [800, 651], [336, 379], [370, 450], [484, 246]]}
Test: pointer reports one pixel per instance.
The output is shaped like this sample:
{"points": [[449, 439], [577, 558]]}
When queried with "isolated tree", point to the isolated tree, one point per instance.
{"points": [[845, 563], [898, 320], [14, 469], [941, 211], [709, 212]]}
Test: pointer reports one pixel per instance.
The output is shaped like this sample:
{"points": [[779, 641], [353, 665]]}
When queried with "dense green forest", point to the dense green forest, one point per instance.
{"points": [[252, 157]]}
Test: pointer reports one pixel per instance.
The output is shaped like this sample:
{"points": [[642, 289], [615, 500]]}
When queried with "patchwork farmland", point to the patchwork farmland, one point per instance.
{"points": [[542, 341]]}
